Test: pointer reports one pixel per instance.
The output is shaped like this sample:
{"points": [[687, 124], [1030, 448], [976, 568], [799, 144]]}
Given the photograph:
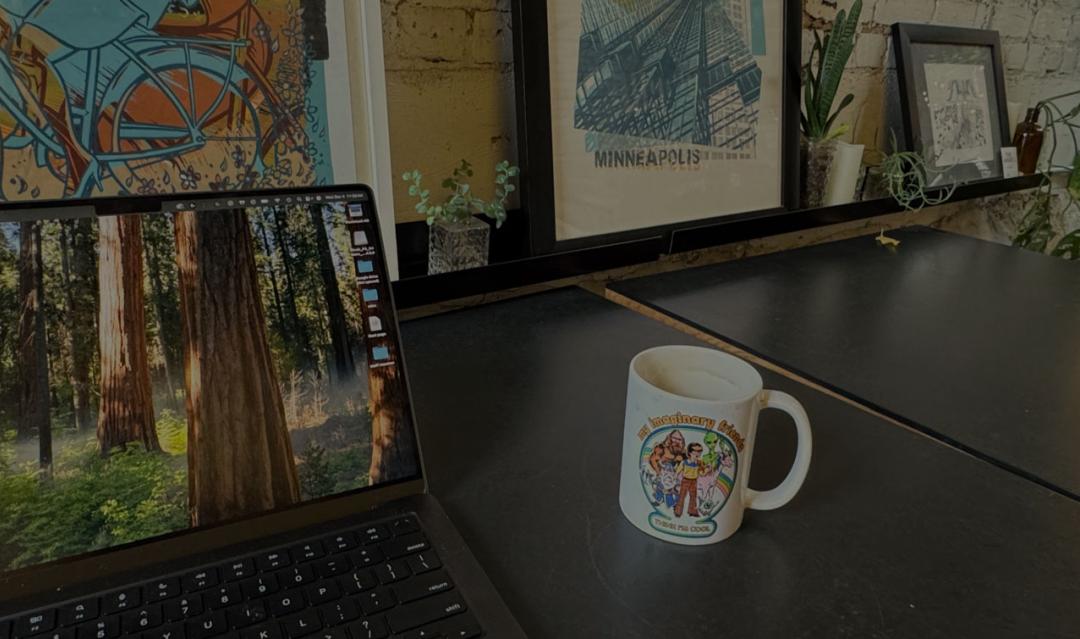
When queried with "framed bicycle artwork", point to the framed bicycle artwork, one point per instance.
{"points": [[637, 117]]}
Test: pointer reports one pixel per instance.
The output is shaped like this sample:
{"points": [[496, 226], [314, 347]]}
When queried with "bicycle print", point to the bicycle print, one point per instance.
{"points": [[102, 97]]}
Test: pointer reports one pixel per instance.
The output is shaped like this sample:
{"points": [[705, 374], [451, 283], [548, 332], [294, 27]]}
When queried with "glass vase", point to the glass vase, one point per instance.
{"points": [[456, 246], [816, 161]]}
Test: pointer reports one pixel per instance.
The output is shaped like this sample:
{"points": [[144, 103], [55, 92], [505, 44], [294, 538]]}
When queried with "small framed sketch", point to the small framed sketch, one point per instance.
{"points": [[952, 89]]}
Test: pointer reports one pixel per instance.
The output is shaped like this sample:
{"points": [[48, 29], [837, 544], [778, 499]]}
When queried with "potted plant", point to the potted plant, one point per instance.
{"points": [[821, 77], [905, 176], [457, 239], [1036, 228]]}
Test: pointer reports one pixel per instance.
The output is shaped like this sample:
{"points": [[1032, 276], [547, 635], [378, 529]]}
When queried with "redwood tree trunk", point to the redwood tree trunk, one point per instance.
{"points": [[393, 450], [127, 404], [77, 255], [32, 349], [344, 367], [240, 457]]}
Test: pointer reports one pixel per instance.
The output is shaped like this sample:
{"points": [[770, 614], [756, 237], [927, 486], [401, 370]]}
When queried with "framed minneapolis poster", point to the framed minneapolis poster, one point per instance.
{"points": [[640, 116]]}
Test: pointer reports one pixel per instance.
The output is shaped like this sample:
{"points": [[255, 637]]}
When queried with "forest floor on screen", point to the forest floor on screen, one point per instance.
{"points": [[163, 372]]}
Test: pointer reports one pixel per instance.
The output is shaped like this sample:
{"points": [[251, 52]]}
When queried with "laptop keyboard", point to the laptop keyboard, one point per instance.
{"points": [[379, 581]]}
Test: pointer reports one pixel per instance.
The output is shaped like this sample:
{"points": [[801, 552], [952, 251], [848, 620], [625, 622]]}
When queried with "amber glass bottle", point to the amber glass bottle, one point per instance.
{"points": [[1028, 141]]}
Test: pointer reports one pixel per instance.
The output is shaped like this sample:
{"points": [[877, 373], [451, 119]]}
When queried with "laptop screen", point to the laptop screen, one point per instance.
{"points": [[171, 371]]}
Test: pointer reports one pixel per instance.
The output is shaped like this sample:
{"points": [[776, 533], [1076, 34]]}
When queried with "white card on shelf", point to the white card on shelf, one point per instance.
{"points": [[1010, 165]]}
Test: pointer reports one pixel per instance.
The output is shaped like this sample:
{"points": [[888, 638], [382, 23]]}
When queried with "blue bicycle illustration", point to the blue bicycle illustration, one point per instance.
{"points": [[101, 95]]}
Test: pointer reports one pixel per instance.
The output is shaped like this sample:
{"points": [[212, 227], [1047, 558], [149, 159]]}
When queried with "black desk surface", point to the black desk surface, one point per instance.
{"points": [[521, 406], [975, 343]]}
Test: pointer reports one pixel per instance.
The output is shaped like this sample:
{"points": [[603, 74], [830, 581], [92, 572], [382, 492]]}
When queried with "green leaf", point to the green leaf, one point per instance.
{"points": [[838, 48], [1074, 178], [1069, 246], [843, 105]]}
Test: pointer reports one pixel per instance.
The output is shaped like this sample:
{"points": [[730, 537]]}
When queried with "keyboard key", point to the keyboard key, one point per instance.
{"points": [[223, 597], [423, 562], [296, 576], [333, 566], [369, 629], [264, 631], [392, 571], [171, 631], [122, 600], [209, 625], [376, 601], [425, 586], [35, 623], [332, 633], [460, 627], [339, 612], [404, 526], [366, 557], [240, 569], [248, 614], [201, 580], [425, 612], [323, 592], [268, 630], [359, 581], [302, 625], [77, 613], [374, 534], [404, 545], [146, 618], [59, 633], [274, 560], [286, 603], [342, 542], [260, 586], [163, 589], [421, 633], [186, 607], [308, 552], [106, 628]]}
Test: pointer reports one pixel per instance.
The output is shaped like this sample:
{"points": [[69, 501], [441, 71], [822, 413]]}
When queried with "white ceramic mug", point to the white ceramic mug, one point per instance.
{"points": [[691, 418]]}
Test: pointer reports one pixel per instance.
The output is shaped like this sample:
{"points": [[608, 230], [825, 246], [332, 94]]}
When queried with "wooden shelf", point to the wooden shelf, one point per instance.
{"points": [[424, 290]]}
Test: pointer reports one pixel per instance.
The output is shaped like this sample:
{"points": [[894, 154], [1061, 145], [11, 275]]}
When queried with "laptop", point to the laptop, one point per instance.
{"points": [[206, 428]]}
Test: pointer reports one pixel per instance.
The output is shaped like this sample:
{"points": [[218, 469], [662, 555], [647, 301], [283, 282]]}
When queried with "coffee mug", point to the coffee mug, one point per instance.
{"points": [[691, 419]]}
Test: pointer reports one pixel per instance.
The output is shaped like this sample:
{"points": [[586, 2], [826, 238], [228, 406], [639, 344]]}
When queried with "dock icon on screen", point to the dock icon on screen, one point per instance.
{"points": [[380, 353], [365, 266], [370, 295]]}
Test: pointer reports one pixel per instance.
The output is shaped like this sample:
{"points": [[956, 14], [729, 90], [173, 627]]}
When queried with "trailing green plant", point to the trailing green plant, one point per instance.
{"points": [[906, 175], [1036, 229], [820, 85], [462, 203]]}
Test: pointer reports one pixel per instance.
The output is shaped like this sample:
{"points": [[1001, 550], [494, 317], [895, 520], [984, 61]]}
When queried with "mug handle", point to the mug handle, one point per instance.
{"points": [[782, 494]]}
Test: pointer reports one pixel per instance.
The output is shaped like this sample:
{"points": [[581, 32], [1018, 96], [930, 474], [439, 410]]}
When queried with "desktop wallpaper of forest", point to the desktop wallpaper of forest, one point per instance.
{"points": [[161, 372]]}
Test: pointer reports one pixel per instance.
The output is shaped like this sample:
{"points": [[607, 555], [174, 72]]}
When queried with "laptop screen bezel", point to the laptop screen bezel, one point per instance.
{"points": [[84, 574]]}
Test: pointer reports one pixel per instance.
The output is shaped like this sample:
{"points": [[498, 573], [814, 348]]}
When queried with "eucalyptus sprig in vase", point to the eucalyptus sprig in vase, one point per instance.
{"points": [[457, 239], [821, 77]]}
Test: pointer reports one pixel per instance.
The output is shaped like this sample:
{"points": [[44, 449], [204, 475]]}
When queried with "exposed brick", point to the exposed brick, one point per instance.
{"points": [[1011, 22], [956, 12], [1052, 58], [1035, 58], [1052, 22], [904, 11], [1015, 55], [869, 50]]}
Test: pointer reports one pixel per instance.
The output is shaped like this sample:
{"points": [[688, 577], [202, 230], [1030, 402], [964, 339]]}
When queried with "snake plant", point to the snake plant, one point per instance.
{"points": [[821, 84]]}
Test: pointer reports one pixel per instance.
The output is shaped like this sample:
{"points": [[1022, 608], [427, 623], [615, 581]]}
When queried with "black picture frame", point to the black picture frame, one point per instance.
{"points": [[534, 127], [907, 38]]}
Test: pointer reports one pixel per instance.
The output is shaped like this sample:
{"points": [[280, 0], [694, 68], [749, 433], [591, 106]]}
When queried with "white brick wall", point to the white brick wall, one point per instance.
{"points": [[451, 85]]}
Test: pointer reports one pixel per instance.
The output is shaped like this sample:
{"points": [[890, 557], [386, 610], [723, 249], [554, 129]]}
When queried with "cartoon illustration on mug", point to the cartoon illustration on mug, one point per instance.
{"points": [[688, 473]]}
